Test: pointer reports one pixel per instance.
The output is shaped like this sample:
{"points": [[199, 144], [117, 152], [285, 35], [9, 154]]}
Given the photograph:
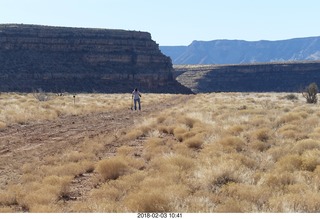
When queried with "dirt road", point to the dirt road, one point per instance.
{"points": [[21, 143]]}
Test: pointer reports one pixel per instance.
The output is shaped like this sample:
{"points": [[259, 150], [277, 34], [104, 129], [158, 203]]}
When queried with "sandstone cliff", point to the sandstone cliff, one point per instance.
{"points": [[61, 59], [265, 77]]}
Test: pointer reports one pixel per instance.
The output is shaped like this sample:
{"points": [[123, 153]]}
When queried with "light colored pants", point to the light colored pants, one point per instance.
{"points": [[135, 104]]}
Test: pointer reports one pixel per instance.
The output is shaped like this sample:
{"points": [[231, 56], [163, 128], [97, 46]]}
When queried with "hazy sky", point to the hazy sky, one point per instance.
{"points": [[176, 22]]}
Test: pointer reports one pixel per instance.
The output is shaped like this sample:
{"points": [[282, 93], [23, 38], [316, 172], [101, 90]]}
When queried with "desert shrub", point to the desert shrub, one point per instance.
{"points": [[303, 114], [258, 121], [179, 132], [181, 162], [188, 135], [293, 203], [259, 145], [262, 134], [243, 159], [310, 159], [290, 134], [154, 142], [161, 119], [154, 133], [232, 142], [231, 205], [76, 156], [257, 196], [278, 180], [190, 122], [7, 198], [221, 178], [149, 200], [30, 177], [107, 192], [135, 163], [112, 168], [166, 129], [67, 169], [37, 196], [236, 129], [152, 194], [290, 163], [289, 127], [133, 134], [243, 107], [27, 168], [277, 152], [182, 149], [109, 197], [195, 142], [145, 129], [154, 147], [289, 117], [86, 166], [125, 151], [306, 144], [310, 93], [291, 97], [41, 95], [59, 182]]}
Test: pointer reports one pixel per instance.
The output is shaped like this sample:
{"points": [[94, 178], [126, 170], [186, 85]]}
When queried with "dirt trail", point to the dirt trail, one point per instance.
{"points": [[20, 144]]}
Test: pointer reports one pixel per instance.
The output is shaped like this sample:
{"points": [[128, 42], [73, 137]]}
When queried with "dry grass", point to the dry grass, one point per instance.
{"points": [[225, 152], [22, 108], [112, 168], [195, 142]]}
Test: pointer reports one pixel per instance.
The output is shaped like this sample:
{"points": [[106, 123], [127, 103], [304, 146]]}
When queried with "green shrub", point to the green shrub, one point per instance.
{"points": [[311, 93]]}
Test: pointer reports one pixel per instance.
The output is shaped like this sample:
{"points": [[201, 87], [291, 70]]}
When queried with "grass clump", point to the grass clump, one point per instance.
{"points": [[232, 143], [306, 144], [112, 168], [145, 200], [262, 134], [292, 97], [195, 142], [310, 160]]}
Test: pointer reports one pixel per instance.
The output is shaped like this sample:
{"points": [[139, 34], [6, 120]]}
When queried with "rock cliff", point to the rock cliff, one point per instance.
{"points": [[264, 77], [66, 59]]}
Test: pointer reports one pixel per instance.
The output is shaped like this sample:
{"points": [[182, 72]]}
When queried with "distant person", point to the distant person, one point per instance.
{"points": [[136, 98]]}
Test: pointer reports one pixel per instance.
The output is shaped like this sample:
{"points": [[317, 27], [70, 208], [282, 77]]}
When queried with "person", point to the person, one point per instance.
{"points": [[136, 98]]}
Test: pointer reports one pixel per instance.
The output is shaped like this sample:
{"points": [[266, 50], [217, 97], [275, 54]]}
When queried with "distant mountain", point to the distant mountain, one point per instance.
{"points": [[240, 51]]}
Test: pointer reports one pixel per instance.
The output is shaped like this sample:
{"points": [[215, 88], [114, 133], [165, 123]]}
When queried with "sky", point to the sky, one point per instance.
{"points": [[175, 22]]}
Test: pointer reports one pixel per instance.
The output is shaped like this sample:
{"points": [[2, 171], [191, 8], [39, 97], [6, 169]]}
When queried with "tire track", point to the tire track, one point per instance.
{"points": [[20, 144]]}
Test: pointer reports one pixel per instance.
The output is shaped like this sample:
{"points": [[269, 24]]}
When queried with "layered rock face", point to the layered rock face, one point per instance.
{"points": [[267, 77], [62, 59]]}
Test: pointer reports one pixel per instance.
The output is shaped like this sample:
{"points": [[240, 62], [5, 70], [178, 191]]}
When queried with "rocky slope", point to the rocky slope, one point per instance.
{"points": [[240, 51], [61, 59]]}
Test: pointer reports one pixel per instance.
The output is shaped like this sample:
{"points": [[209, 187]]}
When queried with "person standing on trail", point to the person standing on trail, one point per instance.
{"points": [[136, 98]]}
